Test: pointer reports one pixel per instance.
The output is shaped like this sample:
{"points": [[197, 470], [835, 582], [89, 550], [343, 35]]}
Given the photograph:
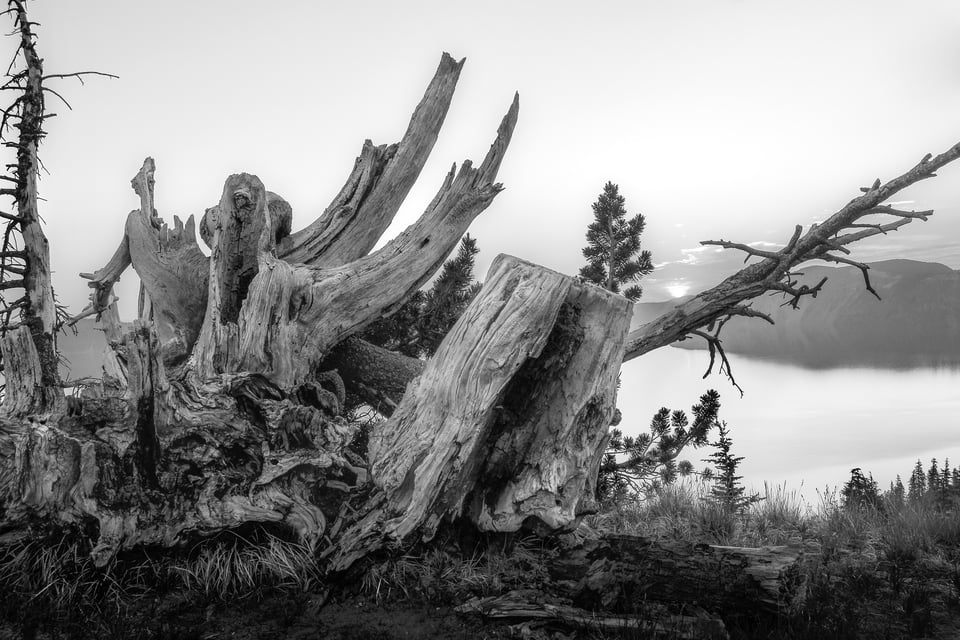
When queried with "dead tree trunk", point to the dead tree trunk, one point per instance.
{"points": [[224, 409], [34, 372]]}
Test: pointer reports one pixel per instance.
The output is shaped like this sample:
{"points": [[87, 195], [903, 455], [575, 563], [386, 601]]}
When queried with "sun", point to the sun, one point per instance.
{"points": [[677, 290]]}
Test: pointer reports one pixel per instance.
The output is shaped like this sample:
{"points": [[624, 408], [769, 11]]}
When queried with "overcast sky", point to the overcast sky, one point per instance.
{"points": [[718, 118]]}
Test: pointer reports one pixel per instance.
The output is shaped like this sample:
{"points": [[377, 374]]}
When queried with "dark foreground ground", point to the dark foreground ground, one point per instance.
{"points": [[303, 616], [867, 574], [272, 618]]}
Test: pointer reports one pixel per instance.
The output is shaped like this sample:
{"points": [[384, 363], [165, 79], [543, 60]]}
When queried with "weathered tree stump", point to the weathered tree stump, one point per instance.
{"points": [[220, 407], [511, 430]]}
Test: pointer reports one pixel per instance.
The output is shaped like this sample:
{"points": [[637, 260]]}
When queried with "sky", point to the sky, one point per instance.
{"points": [[732, 119]]}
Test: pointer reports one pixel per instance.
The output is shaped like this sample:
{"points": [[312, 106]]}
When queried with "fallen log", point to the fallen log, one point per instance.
{"points": [[662, 588], [651, 620], [615, 572]]}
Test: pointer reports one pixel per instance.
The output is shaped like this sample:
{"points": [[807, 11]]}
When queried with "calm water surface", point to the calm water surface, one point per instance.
{"points": [[806, 427]]}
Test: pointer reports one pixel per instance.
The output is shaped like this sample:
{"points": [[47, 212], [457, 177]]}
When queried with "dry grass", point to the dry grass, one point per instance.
{"points": [[51, 582], [892, 570], [443, 574], [241, 568]]}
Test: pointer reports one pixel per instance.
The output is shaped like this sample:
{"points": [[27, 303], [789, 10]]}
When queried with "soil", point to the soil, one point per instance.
{"points": [[300, 617], [353, 619]]}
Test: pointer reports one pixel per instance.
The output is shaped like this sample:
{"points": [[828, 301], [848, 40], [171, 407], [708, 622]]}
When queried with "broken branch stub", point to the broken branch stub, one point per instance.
{"points": [[242, 234], [378, 184], [294, 314]]}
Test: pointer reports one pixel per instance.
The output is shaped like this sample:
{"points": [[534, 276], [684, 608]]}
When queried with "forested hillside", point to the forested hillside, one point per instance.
{"points": [[916, 321]]}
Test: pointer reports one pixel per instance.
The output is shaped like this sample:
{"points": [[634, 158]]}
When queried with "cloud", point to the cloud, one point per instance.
{"points": [[702, 267], [690, 256]]}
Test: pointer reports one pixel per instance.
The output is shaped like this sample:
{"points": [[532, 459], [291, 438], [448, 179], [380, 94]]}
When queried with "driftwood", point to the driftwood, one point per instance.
{"points": [[222, 404]]}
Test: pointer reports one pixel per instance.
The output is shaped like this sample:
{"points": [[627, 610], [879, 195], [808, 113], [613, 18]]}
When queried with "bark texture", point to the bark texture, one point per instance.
{"points": [[295, 314], [154, 461], [373, 375], [214, 410], [382, 177], [173, 272], [662, 588], [617, 571], [37, 308], [510, 431], [25, 392]]}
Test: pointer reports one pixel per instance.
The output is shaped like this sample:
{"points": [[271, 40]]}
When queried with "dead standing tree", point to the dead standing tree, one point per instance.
{"points": [[29, 322], [223, 406]]}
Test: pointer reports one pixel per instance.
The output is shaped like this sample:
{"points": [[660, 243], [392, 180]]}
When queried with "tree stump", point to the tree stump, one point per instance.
{"points": [[508, 420]]}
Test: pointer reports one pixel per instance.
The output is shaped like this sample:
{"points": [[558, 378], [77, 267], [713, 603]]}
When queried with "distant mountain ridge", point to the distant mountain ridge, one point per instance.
{"points": [[917, 322]]}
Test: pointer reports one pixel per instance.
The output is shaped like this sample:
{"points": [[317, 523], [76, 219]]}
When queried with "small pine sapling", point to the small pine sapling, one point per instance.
{"points": [[727, 490], [418, 327], [613, 253]]}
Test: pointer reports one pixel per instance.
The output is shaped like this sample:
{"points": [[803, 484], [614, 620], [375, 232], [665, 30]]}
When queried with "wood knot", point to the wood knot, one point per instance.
{"points": [[241, 199]]}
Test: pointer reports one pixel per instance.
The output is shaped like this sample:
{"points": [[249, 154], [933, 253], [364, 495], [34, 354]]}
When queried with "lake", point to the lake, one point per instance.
{"points": [[792, 425], [806, 427]]}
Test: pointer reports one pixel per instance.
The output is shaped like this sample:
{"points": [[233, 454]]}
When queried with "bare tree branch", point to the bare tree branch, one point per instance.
{"points": [[79, 75], [716, 347], [380, 181], [750, 251], [776, 271]]}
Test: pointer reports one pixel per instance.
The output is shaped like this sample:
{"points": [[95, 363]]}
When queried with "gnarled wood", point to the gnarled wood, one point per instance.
{"points": [[174, 275], [374, 376], [143, 185], [157, 461], [25, 392], [378, 184], [281, 217], [506, 429], [242, 235], [173, 272], [294, 314]]}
